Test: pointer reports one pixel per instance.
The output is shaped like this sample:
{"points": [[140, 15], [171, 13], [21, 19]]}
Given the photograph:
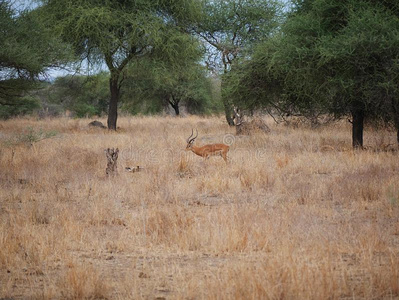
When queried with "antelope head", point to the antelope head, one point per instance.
{"points": [[191, 140]]}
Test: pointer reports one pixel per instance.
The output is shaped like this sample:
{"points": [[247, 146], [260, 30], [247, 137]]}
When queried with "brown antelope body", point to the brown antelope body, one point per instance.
{"points": [[207, 151]]}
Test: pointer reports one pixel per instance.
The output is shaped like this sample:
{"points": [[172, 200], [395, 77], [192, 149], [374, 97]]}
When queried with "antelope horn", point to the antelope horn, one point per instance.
{"points": [[192, 132], [189, 140]]}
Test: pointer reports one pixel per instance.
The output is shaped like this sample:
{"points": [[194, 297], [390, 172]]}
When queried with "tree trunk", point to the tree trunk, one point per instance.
{"points": [[176, 108], [113, 103], [228, 107], [228, 112], [395, 109], [357, 128], [175, 105]]}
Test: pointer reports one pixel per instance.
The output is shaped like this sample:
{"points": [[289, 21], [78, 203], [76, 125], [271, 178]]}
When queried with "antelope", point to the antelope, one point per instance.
{"points": [[207, 150]]}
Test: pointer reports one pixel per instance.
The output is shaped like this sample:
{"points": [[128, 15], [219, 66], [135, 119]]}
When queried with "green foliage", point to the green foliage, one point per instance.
{"points": [[84, 110], [27, 50], [116, 32], [331, 57], [115, 28], [85, 96], [17, 33], [19, 107], [152, 85], [231, 28], [154, 82], [30, 136]]}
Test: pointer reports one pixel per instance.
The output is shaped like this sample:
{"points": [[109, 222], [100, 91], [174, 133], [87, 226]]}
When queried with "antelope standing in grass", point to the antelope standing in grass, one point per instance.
{"points": [[207, 150]]}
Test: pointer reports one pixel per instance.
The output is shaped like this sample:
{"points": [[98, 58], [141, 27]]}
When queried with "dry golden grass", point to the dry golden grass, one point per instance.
{"points": [[295, 214]]}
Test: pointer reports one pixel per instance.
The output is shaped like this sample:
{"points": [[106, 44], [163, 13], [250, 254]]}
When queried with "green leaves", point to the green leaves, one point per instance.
{"points": [[330, 55], [27, 51], [83, 95], [117, 30], [154, 82], [231, 28]]}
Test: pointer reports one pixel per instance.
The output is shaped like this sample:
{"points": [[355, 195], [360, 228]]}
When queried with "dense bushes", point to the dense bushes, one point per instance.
{"points": [[20, 106]]}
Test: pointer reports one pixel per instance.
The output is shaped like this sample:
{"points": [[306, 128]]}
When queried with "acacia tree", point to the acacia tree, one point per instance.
{"points": [[175, 82], [190, 86], [230, 29], [335, 57], [27, 51], [159, 84], [116, 32]]}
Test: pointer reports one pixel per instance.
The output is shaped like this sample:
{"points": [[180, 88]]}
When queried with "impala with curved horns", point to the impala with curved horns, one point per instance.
{"points": [[207, 150]]}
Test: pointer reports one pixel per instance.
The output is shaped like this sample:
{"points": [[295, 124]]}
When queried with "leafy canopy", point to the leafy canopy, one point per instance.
{"points": [[231, 28], [330, 57], [27, 51], [153, 83], [116, 31]]}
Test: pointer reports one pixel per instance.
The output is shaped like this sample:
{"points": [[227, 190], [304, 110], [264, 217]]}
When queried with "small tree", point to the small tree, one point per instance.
{"points": [[162, 83], [189, 86], [230, 29]]}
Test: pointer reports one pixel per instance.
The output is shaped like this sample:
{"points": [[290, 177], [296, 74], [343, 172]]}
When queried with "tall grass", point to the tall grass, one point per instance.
{"points": [[294, 214]]}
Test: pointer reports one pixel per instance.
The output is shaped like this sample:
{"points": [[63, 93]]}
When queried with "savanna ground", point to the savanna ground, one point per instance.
{"points": [[295, 214]]}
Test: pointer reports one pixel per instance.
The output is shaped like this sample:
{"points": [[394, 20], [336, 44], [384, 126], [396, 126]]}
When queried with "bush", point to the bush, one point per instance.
{"points": [[84, 96], [19, 107], [83, 110]]}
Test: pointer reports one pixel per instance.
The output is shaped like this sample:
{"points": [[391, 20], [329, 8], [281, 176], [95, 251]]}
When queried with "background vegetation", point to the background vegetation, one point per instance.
{"points": [[318, 59], [330, 57]]}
